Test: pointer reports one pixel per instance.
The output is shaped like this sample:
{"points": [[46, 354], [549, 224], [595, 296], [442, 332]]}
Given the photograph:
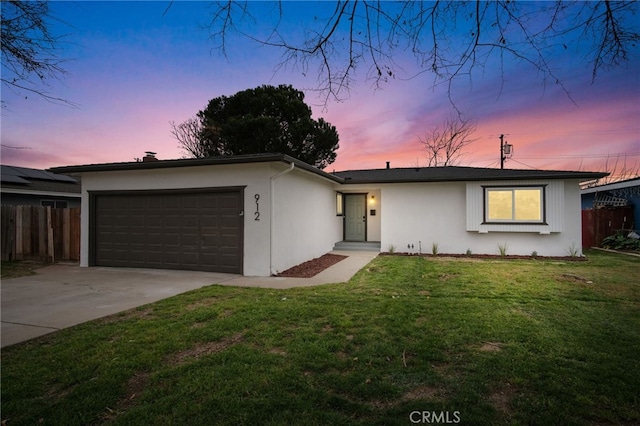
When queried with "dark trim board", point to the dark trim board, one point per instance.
{"points": [[193, 229]]}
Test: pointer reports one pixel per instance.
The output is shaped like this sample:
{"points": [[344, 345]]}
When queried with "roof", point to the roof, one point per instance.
{"points": [[25, 180], [192, 162], [455, 173], [411, 174], [613, 185]]}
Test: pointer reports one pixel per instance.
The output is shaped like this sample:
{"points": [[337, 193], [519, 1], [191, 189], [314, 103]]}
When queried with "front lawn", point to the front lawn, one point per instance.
{"points": [[408, 339]]}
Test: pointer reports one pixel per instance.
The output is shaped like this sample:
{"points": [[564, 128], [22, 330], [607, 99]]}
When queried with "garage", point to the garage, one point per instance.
{"points": [[173, 229]]}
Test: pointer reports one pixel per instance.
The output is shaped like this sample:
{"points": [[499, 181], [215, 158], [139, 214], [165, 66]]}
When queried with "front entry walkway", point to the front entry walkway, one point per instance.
{"points": [[357, 246], [341, 272]]}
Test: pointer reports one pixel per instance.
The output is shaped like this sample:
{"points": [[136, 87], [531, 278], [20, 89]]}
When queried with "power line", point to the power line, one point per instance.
{"points": [[553, 157], [576, 133], [519, 162], [544, 157]]}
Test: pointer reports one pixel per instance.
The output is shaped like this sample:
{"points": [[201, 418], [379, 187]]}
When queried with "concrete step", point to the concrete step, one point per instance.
{"points": [[357, 246]]}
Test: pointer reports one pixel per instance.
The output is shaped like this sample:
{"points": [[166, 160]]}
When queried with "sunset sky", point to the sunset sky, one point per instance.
{"points": [[133, 69]]}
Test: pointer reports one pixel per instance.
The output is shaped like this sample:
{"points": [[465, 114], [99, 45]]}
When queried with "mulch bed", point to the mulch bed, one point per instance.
{"points": [[490, 256], [312, 267]]}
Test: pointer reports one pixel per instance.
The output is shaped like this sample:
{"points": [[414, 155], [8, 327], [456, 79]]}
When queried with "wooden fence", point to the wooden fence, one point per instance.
{"points": [[597, 224], [40, 233]]}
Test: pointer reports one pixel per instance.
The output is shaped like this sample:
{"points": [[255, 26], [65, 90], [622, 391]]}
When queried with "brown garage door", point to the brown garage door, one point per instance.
{"points": [[170, 230]]}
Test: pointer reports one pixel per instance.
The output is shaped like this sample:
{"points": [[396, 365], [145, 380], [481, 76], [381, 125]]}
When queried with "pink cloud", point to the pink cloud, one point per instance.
{"points": [[547, 131], [131, 88]]}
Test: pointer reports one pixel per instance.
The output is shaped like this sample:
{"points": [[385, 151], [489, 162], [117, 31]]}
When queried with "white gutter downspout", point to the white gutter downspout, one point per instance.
{"points": [[272, 210]]}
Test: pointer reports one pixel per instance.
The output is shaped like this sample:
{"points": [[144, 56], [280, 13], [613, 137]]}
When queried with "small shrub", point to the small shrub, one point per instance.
{"points": [[573, 251], [502, 248], [468, 252], [392, 248], [434, 249], [534, 254], [620, 241]]}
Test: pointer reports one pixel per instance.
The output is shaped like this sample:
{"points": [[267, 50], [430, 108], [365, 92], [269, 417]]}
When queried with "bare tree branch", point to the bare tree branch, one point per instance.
{"points": [[448, 39], [618, 170], [30, 56], [444, 144], [190, 136]]}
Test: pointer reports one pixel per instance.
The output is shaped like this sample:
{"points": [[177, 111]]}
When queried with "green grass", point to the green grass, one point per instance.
{"points": [[498, 341], [20, 268]]}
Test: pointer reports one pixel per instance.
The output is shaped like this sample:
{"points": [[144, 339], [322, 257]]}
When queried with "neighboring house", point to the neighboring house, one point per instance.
{"points": [[262, 214], [608, 209], [616, 194], [33, 187]]}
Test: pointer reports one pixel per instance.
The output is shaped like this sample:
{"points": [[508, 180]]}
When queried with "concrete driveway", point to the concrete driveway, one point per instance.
{"points": [[61, 296]]}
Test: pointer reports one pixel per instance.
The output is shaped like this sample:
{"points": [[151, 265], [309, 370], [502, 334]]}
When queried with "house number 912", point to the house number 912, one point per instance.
{"points": [[257, 213]]}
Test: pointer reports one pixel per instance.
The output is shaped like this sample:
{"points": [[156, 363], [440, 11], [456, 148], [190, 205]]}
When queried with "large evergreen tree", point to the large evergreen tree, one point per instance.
{"points": [[266, 119]]}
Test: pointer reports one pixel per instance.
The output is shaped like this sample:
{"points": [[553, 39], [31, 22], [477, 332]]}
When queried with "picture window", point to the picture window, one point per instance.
{"points": [[514, 205]]}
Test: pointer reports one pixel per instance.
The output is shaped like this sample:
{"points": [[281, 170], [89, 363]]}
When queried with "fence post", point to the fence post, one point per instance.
{"points": [[19, 232], [50, 243], [75, 233], [8, 232], [66, 240]]}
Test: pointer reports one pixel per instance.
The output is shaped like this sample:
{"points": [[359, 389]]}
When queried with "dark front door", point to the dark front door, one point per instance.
{"points": [[197, 231], [355, 217]]}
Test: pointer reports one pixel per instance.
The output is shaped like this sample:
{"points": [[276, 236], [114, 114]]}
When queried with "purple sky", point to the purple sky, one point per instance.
{"points": [[133, 70]]}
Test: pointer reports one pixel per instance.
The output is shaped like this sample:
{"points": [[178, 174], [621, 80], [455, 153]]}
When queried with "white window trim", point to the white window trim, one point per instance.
{"points": [[513, 189]]}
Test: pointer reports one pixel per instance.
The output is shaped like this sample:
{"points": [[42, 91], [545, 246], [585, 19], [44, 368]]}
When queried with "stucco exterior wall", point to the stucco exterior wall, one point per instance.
{"points": [[422, 214], [573, 217], [254, 177], [374, 221], [305, 221]]}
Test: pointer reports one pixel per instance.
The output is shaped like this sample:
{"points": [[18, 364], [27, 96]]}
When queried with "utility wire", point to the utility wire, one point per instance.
{"points": [[519, 162], [554, 157], [543, 157]]}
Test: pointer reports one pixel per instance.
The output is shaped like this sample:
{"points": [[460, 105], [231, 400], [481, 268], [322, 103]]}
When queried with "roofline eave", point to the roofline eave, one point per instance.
{"points": [[195, 162], [569, 175]]}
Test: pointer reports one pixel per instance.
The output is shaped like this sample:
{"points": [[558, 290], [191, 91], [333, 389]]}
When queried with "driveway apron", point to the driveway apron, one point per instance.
{"points": [[61, 296]]}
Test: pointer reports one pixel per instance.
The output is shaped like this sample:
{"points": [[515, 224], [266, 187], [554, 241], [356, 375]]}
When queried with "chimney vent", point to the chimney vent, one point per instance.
{"points": [[149, 156], [388, 164]]}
